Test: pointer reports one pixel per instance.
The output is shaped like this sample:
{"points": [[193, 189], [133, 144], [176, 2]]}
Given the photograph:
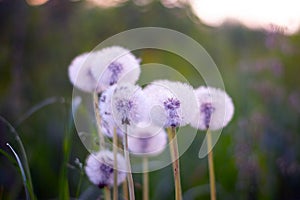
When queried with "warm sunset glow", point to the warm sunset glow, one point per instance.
{"points": [[107, 3], [253, 14], [36, 2]]}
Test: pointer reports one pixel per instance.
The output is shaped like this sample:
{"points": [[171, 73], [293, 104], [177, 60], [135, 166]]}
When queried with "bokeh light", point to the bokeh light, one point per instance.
{"points": [[253, 14]]}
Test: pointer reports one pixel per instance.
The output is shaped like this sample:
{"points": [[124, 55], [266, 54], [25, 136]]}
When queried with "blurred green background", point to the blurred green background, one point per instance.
{"points": [[258, 154]]}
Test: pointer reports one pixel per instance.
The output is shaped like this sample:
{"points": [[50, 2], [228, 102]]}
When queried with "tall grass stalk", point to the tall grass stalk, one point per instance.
{"points": [[22, 171], [23, 155], [67, 144]]}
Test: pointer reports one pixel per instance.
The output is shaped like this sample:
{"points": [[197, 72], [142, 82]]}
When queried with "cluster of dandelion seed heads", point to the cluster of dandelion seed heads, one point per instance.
{"points": [[99, 168], [215, 109], [113, 71]]}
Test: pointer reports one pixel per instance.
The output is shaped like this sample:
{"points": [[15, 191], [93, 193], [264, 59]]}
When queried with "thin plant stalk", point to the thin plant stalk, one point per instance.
{"points": [[79, 184], [22, 171], [175, 159], [211, 167], [145, 179], [115, 149], [125, 190], [129, 174], [124, 184], [23, 155], [80, 177], [107, 194], [98, 121]]}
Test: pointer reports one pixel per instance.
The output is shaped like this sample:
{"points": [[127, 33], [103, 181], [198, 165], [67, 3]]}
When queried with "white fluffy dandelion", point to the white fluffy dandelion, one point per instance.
{"points": [[100, 168], [146, 141], [215, 109], [95, 71], [129, 104], [80, 73], [172, 103], [107, 119], [114, 65]]}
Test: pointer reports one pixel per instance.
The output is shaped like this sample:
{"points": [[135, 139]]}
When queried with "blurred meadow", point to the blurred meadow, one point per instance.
{"points": [[257, 155]]}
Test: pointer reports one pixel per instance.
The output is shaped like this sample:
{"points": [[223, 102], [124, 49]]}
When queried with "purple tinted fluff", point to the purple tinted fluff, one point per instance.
{"points": [[116, 69], [207, 109], [124, 106], [171, 107]]}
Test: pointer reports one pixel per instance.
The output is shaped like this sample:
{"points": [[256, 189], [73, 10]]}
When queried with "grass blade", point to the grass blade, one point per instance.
{"points": [[67, 143], [23, 154], [22, 171], [39, 106]]}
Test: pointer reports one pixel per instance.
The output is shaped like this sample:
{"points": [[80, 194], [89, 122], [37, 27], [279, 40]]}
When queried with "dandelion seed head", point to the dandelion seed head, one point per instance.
{"points": [[80, 73], [173, 103], [107, 119], [146, 141], [129, 104], [215, 109], [100, 168], [114, 65]]}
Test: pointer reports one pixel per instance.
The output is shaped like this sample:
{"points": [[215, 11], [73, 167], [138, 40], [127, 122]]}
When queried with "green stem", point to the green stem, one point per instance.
{"points": [[211, 167], [129, 174], [115, 149], [79, 183], [145, 179], [175, 159]]}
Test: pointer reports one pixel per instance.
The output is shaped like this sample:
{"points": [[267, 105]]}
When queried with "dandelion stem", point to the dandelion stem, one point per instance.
{"points": [[175, 159], [107, 193], [115, 149], [98, 121], [125, 190], [129, 175], [145, 179], [211, 167]]}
